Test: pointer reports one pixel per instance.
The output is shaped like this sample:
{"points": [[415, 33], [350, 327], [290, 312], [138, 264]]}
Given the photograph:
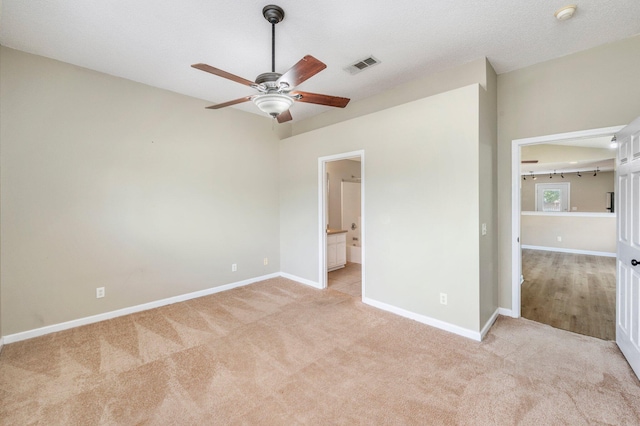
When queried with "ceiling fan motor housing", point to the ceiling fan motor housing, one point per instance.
{"points": [[268, 79]]}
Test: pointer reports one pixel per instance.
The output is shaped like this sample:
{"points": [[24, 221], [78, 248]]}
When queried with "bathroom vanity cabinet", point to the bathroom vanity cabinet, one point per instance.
{"points": [[336, 249]]}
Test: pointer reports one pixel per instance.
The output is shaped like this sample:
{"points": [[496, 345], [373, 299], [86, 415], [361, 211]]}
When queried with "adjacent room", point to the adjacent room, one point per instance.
{"points": [[568, 235], [303, 213], [344, 226]]}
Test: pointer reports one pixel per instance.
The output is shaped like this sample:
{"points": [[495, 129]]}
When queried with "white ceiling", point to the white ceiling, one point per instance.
{"points": [[156, 41]]}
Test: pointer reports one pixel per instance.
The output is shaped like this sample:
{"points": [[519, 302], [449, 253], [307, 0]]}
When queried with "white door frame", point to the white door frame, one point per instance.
{"points": [[516, 255], [322, 213]]}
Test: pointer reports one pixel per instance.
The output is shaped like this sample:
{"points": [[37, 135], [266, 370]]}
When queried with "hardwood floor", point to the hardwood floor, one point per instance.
{"points": [[347, 280], [573, 292]]}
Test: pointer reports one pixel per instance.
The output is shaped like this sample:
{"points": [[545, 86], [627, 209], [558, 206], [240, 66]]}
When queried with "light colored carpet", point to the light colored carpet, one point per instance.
{"points": [[278, 352]]}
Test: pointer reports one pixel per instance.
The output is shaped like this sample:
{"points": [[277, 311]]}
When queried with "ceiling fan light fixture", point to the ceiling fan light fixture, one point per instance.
{"points": [[273, 104]]}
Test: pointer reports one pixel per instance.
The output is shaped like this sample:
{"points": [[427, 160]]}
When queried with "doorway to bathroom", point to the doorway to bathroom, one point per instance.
{"points": [[342, 220]]}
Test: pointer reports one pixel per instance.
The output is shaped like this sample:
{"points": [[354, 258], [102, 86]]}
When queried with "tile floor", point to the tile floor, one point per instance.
{"points": [[347, 280]]}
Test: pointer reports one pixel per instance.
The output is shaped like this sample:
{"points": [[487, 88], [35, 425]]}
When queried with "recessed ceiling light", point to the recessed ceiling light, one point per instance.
{"points": [[566, 12]]}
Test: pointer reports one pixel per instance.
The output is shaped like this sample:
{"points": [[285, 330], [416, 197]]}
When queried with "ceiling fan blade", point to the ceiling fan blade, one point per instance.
{"points": [[233, 102], [306, 68], [315, 98], [223, 74], [283, 117]]}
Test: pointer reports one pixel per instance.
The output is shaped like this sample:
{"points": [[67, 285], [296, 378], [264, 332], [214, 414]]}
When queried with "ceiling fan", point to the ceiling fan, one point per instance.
{"points": [[276, 93]]}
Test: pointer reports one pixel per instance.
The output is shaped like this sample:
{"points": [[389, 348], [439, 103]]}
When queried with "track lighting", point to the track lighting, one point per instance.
{"points": [[562, 175], [550, 177], [524, 177], [614, 142], [595, 172], [579, 175]]}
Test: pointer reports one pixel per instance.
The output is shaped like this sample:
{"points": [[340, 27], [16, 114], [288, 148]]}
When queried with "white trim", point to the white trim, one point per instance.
{"points": [[488, 324], [474, 335], [322, 215], [1, 343], [568, 214], [16, 337], [301, 280], [506, 312], [570, 250], [516, 258]]}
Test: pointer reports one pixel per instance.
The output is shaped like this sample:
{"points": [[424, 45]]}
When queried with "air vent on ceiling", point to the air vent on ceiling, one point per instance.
{"points": [[362, 64]]}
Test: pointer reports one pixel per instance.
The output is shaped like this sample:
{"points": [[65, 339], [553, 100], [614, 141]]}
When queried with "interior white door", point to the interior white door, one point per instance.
{"points": [[628, 252]]}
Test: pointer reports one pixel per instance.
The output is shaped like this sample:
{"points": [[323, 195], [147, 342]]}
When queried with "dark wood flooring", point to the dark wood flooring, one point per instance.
{"points": [[573, 292]]}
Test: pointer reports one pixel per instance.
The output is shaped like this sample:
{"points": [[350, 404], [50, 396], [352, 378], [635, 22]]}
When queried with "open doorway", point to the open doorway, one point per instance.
{"points": [[342, 223], [565, 230]]}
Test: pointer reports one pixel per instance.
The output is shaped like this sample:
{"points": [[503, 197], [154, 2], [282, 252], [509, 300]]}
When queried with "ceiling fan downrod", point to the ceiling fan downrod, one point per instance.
{"points": [[273, 14]]}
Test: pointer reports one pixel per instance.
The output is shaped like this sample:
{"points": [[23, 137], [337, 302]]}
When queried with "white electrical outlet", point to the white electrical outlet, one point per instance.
{"points": [[99, 292], [266, 260], [443, 298], [234, 267]]}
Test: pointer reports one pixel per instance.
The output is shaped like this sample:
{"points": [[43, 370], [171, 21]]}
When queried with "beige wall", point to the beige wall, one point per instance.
{"points": [[338, 170], [596, 88], [577, 232], [488, 197], [587, 193], [428, 85], [413, 242], [107, 182]]}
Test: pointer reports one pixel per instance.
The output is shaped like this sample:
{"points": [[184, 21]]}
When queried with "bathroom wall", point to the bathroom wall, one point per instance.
{"points": [[351, 211], [338, 170]]}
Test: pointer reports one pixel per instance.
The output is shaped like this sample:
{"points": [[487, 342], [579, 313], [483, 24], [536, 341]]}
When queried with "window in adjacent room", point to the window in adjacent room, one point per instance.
{"points": [[552, 197]]}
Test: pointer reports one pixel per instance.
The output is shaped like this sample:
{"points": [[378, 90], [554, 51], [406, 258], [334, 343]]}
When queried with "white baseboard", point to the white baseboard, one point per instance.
{"points": [[506, 312], [1, 343], [488, 324], [424, 319], [568, 250], [11, 338], [300, 280]]}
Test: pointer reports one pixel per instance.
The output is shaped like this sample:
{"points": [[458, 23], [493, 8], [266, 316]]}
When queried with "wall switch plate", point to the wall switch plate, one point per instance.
{"points": [[99, 292], [234, 267], [559, 238], [266, 261], [443, 298], [484, 229]]}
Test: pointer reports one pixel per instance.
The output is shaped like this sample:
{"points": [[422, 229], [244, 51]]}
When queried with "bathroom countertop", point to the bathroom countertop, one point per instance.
{"points": [[335, 231]]}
